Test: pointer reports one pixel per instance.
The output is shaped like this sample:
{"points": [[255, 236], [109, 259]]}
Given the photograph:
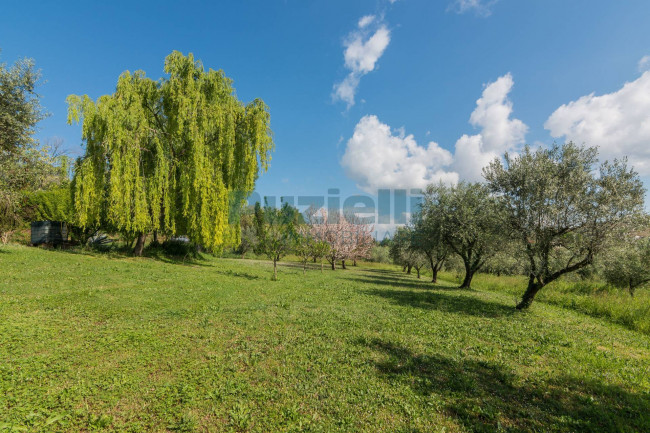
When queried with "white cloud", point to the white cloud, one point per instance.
{"points": [[618, 123], [499, 132], [492, 113], [377, 157], [644, 64], [365, 21], [479, 7], [363, 48]]}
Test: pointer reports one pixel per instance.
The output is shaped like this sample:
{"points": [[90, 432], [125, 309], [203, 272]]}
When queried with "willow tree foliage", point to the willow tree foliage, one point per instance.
{"points": [[175, 155], [562, 206]]}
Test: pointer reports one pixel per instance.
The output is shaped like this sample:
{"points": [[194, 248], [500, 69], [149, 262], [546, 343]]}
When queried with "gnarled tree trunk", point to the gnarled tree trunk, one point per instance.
{"points": [[529, 294]]}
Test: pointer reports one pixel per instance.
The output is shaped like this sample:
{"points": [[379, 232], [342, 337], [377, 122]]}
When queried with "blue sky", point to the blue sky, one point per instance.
{"points": [[421, 75]]}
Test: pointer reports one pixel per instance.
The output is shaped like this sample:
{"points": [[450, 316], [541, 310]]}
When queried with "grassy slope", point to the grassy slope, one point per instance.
{"points": [[593, 298], [90, 342]]}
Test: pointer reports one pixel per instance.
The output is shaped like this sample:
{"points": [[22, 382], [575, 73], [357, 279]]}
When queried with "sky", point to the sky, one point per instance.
{"points": [[372, 93]]}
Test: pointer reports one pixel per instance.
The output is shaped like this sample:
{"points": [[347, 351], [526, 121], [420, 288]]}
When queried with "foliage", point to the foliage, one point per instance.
{"points": [[427, 237], [169, 155], [278, 237], [562, 207], [468, 218], [307, 247], [400, 250], [628, 264], [380, 254], [248, 238], [20, 108], [213, 346], [346, 237], [28, 178]]}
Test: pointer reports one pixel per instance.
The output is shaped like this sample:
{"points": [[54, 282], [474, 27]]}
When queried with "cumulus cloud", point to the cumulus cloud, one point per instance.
{"points": [[479, 7], [363, 48], [499, 133], [378, 157], [618, 123]]}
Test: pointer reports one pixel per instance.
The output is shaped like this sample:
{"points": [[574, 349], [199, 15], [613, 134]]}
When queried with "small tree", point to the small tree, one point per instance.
{"points": [[319, 250], [470, 224], [400, 248], [278, 238], [304, 247], [427, 236], [307, 247], [561, 207], [628, 265]]}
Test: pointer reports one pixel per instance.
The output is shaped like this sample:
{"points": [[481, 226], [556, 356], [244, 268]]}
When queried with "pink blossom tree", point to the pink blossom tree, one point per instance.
{"points": [[346, 236]]}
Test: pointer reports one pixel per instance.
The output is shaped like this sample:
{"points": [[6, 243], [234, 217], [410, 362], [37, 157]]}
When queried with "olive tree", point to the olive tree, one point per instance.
{"points": [[470, 219], [427, 236], [628, 264], [561, 206], [20, 108]]}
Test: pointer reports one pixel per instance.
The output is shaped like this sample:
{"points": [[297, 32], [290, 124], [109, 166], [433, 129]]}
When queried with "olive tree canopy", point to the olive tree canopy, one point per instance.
{"points": [[561, 206]]}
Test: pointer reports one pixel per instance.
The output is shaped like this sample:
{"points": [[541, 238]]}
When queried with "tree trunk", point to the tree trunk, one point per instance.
{"points": [[275, 270], [333, 265], [343, 264], [469, 274], [404, 268], [408, 269], [314, 259], [434, 272], [354, 262], [631, 289], [321, 266], [155, 236], [139, 245], [529, 295], [418, 270]]}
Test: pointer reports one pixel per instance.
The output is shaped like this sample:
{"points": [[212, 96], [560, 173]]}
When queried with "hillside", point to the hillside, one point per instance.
{"points": [[93, 342]]}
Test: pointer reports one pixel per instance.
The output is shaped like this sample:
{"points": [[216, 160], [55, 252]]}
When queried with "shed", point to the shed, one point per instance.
{"points": [[49, 232]]}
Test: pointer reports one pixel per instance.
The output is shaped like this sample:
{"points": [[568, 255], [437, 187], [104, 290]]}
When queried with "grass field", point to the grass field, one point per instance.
{"points": [[93, 342]]}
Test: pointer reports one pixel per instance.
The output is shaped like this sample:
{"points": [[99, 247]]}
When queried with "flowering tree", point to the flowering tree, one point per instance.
{"points": [[346, 239]]}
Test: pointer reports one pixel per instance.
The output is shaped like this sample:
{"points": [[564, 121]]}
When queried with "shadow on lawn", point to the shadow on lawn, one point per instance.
{"points": [[469, 305], [398, 280], [486, 397]]}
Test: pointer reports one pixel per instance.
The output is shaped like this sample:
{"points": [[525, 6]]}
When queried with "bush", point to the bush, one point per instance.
{"points": [[179, 247], [380, 254]]}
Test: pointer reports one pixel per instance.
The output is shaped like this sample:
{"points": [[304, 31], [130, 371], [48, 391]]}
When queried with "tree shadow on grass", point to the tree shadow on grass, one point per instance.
{"points": [[231, 273], [400, 281], [487, 397], [458, 303], [119, 254]]}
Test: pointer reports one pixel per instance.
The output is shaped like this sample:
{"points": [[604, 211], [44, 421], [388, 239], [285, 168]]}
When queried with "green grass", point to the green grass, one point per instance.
{"points": [[589, 297], [101, 343]]}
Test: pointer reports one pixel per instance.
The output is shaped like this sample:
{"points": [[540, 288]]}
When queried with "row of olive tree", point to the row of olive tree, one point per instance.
{"points": [[553, 209]]}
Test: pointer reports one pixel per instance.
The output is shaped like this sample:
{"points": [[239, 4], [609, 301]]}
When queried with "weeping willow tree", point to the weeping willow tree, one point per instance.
{"points": [[173, 156]]}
